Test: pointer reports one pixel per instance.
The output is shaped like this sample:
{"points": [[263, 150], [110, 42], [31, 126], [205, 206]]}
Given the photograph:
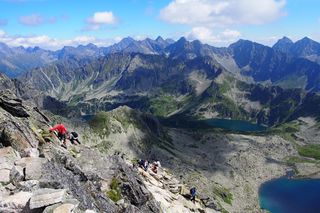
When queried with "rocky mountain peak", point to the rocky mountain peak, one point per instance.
{"points": [[160, 39], [127, 40], [284, 44], [306, 47], [182, 40]]}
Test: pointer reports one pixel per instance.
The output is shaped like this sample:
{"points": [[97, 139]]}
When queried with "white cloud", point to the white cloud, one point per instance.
{"points": [[47, 42], [100, 19], [32, 20], [222, 12], [106, 17], [231, 34], [206, 35]]}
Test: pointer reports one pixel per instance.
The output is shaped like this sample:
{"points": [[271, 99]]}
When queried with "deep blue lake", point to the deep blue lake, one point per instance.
{"points": [[285, 195], [232, 125]]}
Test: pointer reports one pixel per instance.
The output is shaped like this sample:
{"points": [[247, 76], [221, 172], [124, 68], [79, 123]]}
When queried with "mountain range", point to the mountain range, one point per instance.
{"points": [[167, 77]]}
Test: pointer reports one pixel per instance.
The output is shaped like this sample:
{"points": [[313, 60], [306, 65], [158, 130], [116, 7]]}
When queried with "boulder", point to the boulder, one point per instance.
{"points": [[4, 192], [16, 174], [15, 203], [33, 167], [16, 135], [28, 186], [89, 211], [64, 208], [46, 197], [132, 209], [10, 187], [31, 152], [184, 191], [4, 176], [7, 157], [13, 106]]}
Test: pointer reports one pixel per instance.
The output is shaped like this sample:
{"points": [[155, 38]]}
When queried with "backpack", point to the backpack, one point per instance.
{"points": [[193, 191], [74, 134]]}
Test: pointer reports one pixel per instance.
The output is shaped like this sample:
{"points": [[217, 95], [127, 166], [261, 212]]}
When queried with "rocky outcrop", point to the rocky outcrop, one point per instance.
{"points": [[50, 178], [16, 129], [7, 158], [45, 197], [60, 182], [13, 106], [17, 202]]}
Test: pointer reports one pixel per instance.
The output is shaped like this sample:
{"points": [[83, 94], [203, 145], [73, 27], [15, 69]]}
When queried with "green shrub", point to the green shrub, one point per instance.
{"points": [[115, 192], [223, 193], [311, 151]]}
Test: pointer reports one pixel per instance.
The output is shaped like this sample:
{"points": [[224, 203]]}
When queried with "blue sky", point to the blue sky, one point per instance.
{"points": [[55, 23]]}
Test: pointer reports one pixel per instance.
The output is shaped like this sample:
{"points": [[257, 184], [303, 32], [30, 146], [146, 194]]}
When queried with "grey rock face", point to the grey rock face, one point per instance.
{"points": [[15, 203], [14, 107], [66, 207], [31, 152], [16, 174], [33, 167], [7, 158], [15, 128], [46, 197], [28, 186], [63, 172], [4, 175]]}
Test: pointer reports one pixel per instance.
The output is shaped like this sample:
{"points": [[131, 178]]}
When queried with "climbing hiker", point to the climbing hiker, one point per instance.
{"points": [[154, 166], [73, 137], [143, 164], [146, 165], [61, 132], [193, 192]]}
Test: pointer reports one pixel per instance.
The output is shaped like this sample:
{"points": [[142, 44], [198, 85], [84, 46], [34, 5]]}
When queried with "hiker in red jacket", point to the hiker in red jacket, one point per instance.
{"points": [[62, 132]]}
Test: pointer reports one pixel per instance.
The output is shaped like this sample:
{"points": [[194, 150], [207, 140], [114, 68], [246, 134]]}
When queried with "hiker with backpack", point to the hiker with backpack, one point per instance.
{"points": [[73, 137], [61, 131], [144, 164], [193, 192]]}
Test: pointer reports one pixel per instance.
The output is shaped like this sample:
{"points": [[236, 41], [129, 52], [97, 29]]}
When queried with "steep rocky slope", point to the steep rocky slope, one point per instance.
{"points": [[35, 173], [226, 167]]}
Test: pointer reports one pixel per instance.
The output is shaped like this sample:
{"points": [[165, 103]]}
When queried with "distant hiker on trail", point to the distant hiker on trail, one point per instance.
{"points": [[73, 137], [193, 192], [154, 166], [143, 164], [61, 132], [146, 165]]}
